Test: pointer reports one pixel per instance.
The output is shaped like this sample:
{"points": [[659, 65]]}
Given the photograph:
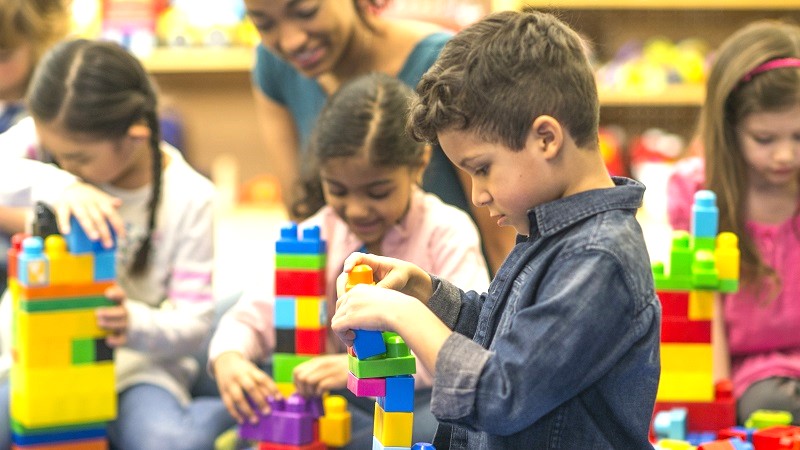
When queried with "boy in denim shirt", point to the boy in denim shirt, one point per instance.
{"points": [[563, 351]]}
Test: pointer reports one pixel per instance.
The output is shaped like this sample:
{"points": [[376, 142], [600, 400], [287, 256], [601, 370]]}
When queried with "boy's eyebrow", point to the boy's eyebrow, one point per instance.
{"points": [[467, 161]]}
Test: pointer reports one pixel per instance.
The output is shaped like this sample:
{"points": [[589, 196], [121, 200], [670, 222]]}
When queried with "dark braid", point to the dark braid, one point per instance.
{"points": [[143, 253], [99, 89]]}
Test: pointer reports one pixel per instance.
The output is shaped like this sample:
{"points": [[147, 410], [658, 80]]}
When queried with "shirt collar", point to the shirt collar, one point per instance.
{"points": [[551, 217]]}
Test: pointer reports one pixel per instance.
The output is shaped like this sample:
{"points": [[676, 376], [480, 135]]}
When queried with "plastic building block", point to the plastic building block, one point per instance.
{"points": [[285, 312], [674, 444], [743, 433], [310, 243], [377, 445], [290, 421], [670, 424], [335, 425], [685, 386], [674, 304], [367, 343], [423, 446], [311, 312], [704, 271], [778, 437], [715, 415], [399, 394], [366, 387], [307, 261], [728, 257], [294, 282], [285, 340], [675, 329], [378, 368], [317, 445], [763, 418], [32, 264], [310, 342], [701, 305], [283, 364], [393, 428], [705, 215], [685, 357]]}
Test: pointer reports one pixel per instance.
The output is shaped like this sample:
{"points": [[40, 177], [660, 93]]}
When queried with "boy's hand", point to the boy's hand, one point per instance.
{"points": [[238, 380], [94, 210], [321, 374], [390, 273], [114, 319], [368, 307]]}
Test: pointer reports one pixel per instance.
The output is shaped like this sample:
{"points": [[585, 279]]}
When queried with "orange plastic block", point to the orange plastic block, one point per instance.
{"points": [[86, 444], [60, 292]]}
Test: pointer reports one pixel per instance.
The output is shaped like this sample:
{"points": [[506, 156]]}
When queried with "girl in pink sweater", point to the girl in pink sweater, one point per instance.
{"points": [[751, 136], [365, 182]]}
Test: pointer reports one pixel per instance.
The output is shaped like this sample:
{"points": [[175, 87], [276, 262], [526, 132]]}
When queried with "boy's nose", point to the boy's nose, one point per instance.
{"points": [[480, 197]]}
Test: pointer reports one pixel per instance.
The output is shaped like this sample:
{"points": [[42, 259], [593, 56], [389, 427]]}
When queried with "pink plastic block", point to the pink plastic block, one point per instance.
{"points": [[366, 387]]}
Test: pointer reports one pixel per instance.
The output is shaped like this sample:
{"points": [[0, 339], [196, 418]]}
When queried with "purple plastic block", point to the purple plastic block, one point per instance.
{"points": [[261, 430], [366, 387], [291, 421]]}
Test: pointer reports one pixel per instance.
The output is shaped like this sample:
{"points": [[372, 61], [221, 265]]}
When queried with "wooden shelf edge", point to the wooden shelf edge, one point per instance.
{"points": [[672, 95], [165, 60]]}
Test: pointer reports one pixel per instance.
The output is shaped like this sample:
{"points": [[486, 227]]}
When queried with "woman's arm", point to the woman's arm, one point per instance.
{"points": [[280, 142]]}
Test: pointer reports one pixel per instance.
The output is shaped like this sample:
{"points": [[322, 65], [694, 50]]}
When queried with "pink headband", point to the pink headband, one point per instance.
{"points": [[769, 65]]}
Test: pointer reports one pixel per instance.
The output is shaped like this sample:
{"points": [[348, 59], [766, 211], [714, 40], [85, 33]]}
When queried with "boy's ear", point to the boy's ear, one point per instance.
{"points": [[139, 130], [546, 136]]}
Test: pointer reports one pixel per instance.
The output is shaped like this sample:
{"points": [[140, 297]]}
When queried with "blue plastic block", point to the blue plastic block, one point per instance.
{"points": [[105, 266], [670, 424], [32, 267], [368, 343], [423, 446], [399, 394], [705, 214], [310, 243], [61, 436], [285, 312], [701, 437]]}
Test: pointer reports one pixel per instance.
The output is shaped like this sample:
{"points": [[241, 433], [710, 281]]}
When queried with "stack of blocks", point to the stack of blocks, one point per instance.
{"points": [[62, 386], [702, 264], [381, 366], [301, 328]]}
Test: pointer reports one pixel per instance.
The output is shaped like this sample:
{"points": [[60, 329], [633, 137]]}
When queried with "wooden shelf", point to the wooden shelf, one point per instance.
{"points": [[650, 4], [672, 95], [165, 60]]}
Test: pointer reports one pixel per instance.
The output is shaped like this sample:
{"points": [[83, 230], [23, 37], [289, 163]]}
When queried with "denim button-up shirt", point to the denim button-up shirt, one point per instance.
{"points": [[563, 351]]}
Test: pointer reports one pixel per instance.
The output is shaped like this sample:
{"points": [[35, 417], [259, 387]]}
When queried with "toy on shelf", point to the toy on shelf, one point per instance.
{"points": [[301, 329], [62, 385], [702, 264]]}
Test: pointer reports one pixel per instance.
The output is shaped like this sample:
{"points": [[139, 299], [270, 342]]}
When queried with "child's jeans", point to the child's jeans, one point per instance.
{"points": [[152, 418]]}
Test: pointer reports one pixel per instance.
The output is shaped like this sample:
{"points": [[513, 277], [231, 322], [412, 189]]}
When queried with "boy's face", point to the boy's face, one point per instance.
{"points": [[506, 181]]}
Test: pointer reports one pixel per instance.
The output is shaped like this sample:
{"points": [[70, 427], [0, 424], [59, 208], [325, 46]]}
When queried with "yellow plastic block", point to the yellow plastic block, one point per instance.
{"points": [[727, 256], [286, 389], [65, 396], [310, 313], [44, 339], [701, 305], [675, 444], [393, 429], [684, 357], [335, 425], [685, 387]]}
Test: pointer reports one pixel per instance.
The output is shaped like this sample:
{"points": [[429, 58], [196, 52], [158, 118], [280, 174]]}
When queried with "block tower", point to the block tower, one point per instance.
{"points": [[381, 366], [301, 330], [702, 264], [62, 378]]}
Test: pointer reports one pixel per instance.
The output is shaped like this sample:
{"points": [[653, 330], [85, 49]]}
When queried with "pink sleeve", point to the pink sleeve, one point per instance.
{"points": [[687, 179], [247, 328]]}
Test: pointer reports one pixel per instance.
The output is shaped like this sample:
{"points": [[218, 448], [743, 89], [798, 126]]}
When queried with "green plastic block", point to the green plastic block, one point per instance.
{"points": [[704, 270], [83, 351], [729, 286], [300, 261], [382, 368], [284, 363], [64, 305], [762, 418], [704, 243]]}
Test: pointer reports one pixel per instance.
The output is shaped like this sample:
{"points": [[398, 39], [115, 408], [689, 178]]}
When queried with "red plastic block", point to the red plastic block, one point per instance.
{"points": [[310, 342], [676, 329], [703, 416], [779, 437], [299, 282], [674, 304]]}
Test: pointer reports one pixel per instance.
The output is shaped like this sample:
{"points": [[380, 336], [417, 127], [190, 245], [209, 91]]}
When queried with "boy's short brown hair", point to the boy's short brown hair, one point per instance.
{"points": [[497, 75]]}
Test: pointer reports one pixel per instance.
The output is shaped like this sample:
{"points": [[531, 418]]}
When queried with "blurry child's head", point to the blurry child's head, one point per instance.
{"points": [[366, 163], [504, 99], [27, 29], [750, 124], [95, 113]]}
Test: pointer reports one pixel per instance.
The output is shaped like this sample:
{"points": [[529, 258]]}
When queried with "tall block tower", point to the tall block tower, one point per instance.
{"points": [[301, 329], [703, 263], [382, 366], [62, 384]]}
